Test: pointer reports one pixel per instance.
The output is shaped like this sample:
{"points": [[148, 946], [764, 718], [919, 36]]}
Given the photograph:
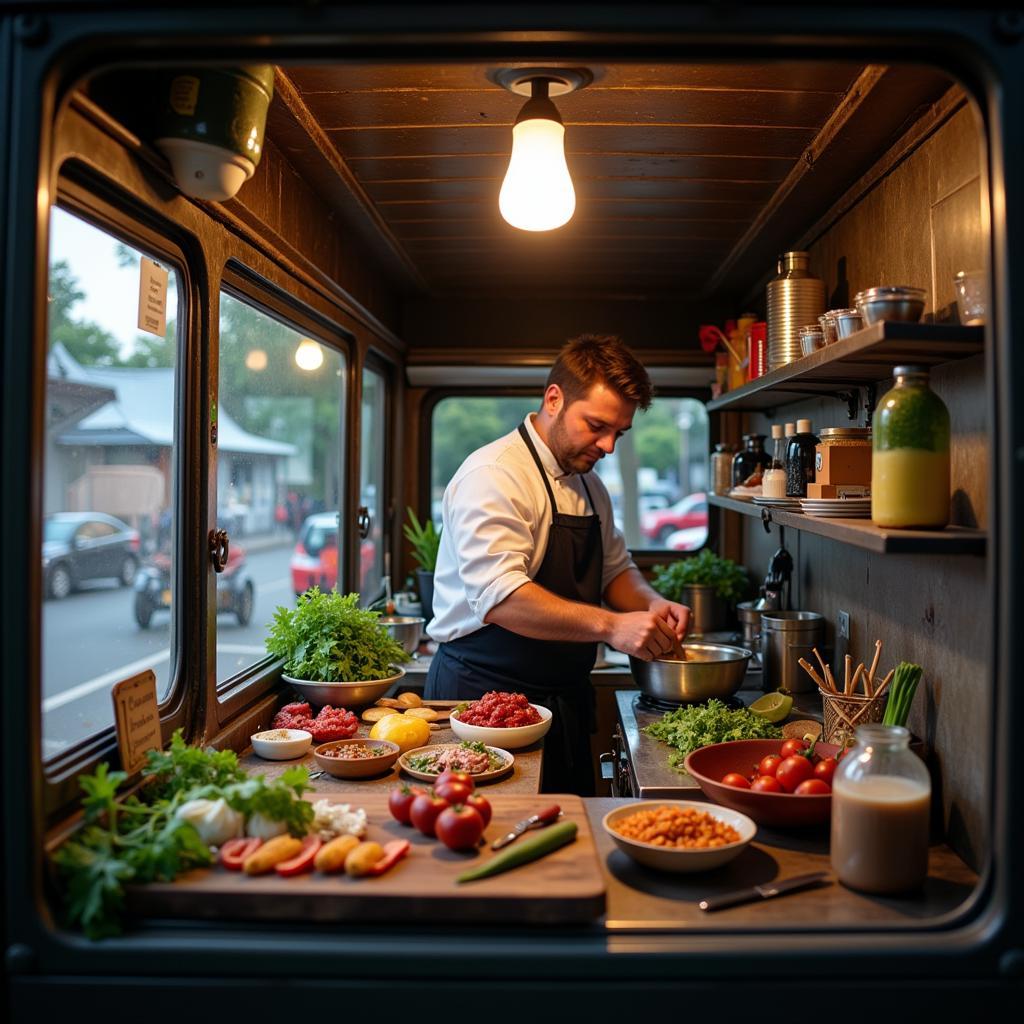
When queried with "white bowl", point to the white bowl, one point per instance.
{"points": [[508, 739], [281, 744], [672, 858]]}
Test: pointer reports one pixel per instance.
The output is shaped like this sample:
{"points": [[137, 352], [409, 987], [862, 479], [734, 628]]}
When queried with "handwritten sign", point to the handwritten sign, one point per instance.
{"points": [[137, 718], [152, 297]]}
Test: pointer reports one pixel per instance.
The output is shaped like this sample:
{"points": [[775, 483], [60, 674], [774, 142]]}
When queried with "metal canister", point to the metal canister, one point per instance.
{"points": [[721, 468], [795, 297], [786, 637]]}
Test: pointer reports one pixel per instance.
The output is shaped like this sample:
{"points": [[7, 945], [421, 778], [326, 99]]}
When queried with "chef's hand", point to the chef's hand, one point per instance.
{"points": [[676, 615], [642, 634]]}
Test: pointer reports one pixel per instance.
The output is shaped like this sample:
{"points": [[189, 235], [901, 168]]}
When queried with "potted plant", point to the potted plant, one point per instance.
{"points": [[425, 539], [707, 583], [334, 651]]}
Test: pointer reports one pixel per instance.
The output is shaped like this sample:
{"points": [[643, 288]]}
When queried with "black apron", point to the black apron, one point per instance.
{"points": [[552, 673]]}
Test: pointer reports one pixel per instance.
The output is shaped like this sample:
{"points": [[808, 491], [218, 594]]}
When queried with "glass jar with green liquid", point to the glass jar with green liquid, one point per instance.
{"points": [[910, 454]]}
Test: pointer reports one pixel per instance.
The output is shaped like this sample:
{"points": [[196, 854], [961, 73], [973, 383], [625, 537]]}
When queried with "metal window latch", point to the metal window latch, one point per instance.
{"points": [[363, 522], [219, 546]]}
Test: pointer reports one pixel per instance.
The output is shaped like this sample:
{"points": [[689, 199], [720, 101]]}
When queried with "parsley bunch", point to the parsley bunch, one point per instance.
{"points": [[328, 638], [706, 569]]}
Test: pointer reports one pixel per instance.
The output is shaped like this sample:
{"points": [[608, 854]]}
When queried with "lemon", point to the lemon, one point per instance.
{"points": [[406, 731], [772, 706]]}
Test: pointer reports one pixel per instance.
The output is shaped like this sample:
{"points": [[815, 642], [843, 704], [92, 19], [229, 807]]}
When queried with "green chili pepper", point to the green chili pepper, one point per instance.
{"points": [[545, 841]]}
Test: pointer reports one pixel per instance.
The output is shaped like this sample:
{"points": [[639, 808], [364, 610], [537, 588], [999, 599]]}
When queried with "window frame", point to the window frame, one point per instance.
{"points": [[374, 362]]}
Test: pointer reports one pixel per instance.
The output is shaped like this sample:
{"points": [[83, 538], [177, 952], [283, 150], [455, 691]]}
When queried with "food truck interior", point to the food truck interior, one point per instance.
{"points": [[328, 343]]}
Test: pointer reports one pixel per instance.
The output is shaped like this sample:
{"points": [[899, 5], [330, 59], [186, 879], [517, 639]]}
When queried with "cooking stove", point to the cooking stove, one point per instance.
{"points": [[647, 703]]}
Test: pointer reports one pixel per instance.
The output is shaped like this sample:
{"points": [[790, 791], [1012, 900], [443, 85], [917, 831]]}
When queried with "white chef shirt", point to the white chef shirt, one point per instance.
{"points": [[496, 519]]}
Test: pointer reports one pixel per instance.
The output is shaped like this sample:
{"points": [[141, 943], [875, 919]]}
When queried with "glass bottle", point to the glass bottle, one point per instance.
{"points": [[721, 468], [881, 794], [800, 455], [753, 458], [773, 483], [910, 454]]}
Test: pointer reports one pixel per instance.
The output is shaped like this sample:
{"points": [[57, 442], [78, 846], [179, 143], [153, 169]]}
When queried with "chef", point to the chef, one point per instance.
{"points": [[532, 574]]}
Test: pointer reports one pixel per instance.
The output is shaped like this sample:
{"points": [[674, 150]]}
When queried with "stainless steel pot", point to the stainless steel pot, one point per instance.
{"points": [[405, 630], [710, 670], [750, 623], [708, 612], [786, 637]]}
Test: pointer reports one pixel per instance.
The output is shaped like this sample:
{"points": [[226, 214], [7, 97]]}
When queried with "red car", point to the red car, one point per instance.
{"points": [[689, 512], [315, 559]]}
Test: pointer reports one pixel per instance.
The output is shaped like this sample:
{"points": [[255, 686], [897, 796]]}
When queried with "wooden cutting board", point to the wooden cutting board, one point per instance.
{"points": [[564, 887]]}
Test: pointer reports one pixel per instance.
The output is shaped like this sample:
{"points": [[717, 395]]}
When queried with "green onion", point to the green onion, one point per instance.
{"points": [[901, 693]]}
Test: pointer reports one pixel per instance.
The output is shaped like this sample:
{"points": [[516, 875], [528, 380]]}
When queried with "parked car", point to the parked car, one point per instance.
{"points": [[236, 591], [80, 546], [314, 561], [689, 512], [690, 539]]}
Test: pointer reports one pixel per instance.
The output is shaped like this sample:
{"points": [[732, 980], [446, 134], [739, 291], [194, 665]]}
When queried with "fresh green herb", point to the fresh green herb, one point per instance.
{"points": [[494, 760], [901, 693], [686, 729], [328, 638], [181, 768], [425, 539], [706, 569]]}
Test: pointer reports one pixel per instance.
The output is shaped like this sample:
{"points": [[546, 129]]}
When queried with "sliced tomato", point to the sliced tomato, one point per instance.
{"points": [[233, 853], [393, 853], [302, 861]]}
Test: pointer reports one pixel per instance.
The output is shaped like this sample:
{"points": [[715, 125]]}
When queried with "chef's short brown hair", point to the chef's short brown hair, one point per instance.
{"points": [[600, 359]]}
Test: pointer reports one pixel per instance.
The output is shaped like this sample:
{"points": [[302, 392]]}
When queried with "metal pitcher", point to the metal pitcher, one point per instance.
{"points": [[786, 637]]}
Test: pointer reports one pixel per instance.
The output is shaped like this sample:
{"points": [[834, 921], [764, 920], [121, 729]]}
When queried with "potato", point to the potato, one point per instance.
{"points": [[427, 714], [362, 857], [273, 851], [332, 855], [410, 700]]}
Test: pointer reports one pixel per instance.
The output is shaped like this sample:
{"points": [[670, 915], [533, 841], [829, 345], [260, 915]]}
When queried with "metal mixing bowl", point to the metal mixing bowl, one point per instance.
{"points": [[890, 303], [404, 629], [710, 670], [344, 695]]}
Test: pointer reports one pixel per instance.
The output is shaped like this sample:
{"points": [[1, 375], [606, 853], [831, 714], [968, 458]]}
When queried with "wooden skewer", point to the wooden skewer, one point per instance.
{"points": [[860, 674], [847, 678], [831, 680], [809, 669], [885, 683], [874, 663], [821, 662]]}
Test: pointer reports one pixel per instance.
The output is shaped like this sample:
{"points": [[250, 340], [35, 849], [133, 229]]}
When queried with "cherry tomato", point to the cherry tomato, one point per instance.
{"points": [[459, 828], [793, 746], [302, 861], [737, 780], [425, 810], [400, 801], [766, 784], [793, 771], [769, 765], [825, 769], [481, 805], [813, 787], [448, 775], [233, 853], [452, 791]]}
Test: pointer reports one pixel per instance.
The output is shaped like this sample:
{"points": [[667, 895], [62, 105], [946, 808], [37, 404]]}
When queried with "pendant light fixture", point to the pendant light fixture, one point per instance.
{"points": [[537, 193]]}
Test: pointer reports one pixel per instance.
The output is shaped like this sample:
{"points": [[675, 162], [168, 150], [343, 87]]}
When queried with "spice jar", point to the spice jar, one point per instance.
{"points": [[881, 794], [910, 454], [842, 463], [800, 454], [751, 459], [721, 468]]}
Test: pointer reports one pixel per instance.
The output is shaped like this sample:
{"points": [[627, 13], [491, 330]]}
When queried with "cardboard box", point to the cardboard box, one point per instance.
{"points": [[817, 490], [842, 464]]}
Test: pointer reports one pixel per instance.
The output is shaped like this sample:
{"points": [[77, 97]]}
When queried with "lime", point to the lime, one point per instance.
{"points": [[772, 706]]}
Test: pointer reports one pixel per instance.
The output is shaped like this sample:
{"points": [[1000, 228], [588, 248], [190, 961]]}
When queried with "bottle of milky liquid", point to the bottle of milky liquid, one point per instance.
{"points": [[773, 481], [910, 454], [881, 794]]}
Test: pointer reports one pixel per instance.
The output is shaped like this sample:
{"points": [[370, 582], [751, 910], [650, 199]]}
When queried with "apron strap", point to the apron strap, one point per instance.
{"points": [[544, 476]]}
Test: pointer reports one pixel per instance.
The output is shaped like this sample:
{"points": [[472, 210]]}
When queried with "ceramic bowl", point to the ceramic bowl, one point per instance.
{"points": [[344, 695], [708, 765], [281, 744], [680, 859], [514, 738], [357, 768]]}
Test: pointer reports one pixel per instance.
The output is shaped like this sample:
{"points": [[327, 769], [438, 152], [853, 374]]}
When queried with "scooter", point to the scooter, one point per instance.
{"points": [[236, 592]]}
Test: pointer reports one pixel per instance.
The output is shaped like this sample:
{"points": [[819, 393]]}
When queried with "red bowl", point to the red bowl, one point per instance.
{"points": [[708, 765]]}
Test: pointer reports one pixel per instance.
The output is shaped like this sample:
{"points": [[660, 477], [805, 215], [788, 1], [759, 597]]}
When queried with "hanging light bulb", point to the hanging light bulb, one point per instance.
{"points": [[308, 355], [537, 193]]}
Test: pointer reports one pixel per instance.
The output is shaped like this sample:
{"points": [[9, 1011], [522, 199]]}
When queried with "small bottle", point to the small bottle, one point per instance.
{"points": [[800, 454], [881, 795], [790, 431], [721, 468], [773, 483], [751, 460]]}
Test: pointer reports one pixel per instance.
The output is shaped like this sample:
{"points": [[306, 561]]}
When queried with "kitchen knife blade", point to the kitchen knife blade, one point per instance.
{"points": [[545, 817], [763, 892]]}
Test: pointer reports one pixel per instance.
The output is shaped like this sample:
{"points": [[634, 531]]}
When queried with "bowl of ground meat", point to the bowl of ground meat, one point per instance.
{"points": [[356, 758], [500, 719]]}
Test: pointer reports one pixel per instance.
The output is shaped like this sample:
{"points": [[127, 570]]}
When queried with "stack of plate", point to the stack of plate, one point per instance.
{"points": [[837, 508], [791, 504]]}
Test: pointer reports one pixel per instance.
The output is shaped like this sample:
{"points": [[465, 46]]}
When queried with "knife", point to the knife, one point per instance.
{"points": [[545, 817], [763, 892]]}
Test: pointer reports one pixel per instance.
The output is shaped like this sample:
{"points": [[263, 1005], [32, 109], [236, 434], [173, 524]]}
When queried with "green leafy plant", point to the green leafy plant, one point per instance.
{"points": [[425, 539], [706, 569], [328, 638]]}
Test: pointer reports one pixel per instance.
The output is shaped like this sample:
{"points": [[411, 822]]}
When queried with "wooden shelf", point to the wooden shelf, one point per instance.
{"points": [[862, 533], [864, 358]]}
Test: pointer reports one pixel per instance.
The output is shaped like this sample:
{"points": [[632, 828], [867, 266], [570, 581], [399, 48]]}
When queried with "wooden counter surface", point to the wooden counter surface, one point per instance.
{"points": [[643, 899]]}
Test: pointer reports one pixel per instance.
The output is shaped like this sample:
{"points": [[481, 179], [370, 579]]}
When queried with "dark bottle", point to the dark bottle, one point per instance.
{"points": [[752, 457], [800, 460]]}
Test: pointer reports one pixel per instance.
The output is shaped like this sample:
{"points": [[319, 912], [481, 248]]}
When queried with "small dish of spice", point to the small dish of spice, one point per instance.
{"points": [[356, 758]]}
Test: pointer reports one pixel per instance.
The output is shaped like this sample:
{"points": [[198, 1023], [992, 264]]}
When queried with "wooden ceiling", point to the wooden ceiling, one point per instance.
{"points": [[688, 177]]}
